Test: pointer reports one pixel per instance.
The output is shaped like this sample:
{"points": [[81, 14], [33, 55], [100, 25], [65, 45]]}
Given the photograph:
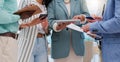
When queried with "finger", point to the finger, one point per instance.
{"points": [[31, 4], [26, 6], [44, 20], [90, 21], [75, 17], [59, 24], [63, 23]]}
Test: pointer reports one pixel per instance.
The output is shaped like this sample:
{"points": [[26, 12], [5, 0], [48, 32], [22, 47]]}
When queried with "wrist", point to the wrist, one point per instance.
{"points": [[84, 22], [55, 27], [27, 24], [82, 17]]}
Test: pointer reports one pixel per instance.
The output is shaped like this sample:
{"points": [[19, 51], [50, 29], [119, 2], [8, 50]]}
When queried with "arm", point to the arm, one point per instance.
{"points": [[84, 12], [84, 8], [32, 23], [45, 26], [57, 27], [51, 16], [28, 11], [110, 26], [5, 16]]}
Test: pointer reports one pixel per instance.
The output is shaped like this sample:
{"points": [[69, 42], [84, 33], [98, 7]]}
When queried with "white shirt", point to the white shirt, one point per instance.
{"points": [[68, 8], [96, 6]]}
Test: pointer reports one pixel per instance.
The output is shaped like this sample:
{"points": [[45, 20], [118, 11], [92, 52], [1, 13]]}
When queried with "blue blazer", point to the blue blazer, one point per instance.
{"points": [[110, 25], [61, 40]]}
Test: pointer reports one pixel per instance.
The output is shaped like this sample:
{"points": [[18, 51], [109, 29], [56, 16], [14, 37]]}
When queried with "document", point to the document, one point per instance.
{"points": [[77, 28], [74, 27]]}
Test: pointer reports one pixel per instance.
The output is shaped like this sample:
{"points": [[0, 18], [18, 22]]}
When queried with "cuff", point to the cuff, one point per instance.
{"points": [[94, 27], [84, 22], [15, 18], [55, 26]]}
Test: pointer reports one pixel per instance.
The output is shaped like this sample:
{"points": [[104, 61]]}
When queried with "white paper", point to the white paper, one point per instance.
{"points": [[77, 28], [74, 27]]}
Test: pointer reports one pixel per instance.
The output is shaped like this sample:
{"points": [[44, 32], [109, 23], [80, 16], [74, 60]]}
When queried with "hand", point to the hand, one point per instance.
{"points": [[33, 22], [33, 9], [91, 21], [81, 17], [25, 12], [86, 27], [25, 15], [91, 34], [96, 18], [36, 21], [62, 25], [45, 23], [23, 26]]}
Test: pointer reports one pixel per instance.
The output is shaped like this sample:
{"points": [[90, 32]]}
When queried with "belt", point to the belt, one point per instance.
{"points": [[39, 35], [8, 34]]}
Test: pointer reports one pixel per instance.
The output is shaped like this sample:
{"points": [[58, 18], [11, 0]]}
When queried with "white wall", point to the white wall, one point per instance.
{"points": [[95, 6]]}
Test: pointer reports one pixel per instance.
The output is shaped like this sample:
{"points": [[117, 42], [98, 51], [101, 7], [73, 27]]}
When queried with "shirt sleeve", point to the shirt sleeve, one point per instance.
{"points": [[5, 16], [111, 25], [55, 26]]}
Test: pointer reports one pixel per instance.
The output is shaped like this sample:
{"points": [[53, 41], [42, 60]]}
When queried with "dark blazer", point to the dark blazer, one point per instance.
{"points": [[61, 40]]}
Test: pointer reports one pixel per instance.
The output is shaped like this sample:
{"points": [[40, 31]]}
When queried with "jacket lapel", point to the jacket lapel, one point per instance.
{"points": [[72, 4], [62, 5]]}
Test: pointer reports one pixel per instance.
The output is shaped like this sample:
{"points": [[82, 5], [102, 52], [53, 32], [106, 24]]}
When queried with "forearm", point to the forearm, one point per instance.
{"points": [[6, 18], [110, 26]]}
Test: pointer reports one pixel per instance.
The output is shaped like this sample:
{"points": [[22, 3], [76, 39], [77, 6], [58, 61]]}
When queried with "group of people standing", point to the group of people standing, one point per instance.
{"points": [[67, 44]]}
